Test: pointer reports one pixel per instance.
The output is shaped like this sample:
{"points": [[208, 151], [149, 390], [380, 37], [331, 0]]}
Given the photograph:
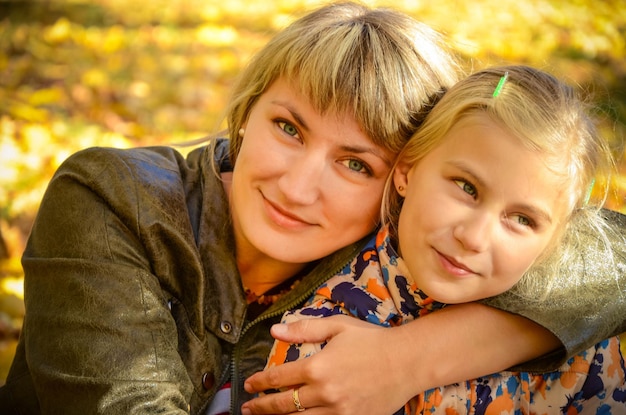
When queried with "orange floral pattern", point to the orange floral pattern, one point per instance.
{"points": [[376, 287]]}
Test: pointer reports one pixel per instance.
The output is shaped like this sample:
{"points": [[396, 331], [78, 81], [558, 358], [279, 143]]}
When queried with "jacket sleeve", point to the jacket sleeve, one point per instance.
{"points": [[588, 303], [99, 337]]}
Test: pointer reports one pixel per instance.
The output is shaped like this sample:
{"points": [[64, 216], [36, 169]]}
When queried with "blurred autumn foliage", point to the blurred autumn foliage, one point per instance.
{"points": [[79, 73]]}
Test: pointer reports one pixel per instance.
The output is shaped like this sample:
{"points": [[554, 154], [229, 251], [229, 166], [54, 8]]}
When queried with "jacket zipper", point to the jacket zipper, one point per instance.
{"points": [[234, 376]]}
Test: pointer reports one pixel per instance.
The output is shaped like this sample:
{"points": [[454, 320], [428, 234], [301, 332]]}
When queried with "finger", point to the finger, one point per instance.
{"points": [[276, 403], [277, 377], [308, 330]]}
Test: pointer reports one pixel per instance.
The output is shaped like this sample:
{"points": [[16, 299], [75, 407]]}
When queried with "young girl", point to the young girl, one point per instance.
{"points": [[489, 195]]}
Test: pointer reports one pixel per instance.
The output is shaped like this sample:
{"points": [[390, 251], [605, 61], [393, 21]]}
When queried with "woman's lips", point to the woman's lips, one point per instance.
{"points": [[283, 217]]}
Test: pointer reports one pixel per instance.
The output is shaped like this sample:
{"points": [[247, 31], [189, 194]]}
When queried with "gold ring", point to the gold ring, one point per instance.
{"points": [[296, 401]]}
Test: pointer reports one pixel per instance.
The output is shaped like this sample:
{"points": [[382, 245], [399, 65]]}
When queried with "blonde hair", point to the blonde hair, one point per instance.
{"points": [[379, 65], [548, 117]]}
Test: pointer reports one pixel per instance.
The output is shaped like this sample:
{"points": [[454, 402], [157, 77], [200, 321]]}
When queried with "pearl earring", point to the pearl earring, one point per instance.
{"points": [[400, 189], [241, 132]]}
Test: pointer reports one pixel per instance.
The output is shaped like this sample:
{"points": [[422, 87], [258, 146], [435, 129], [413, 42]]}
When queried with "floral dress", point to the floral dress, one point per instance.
{"points": [[376, 287]]}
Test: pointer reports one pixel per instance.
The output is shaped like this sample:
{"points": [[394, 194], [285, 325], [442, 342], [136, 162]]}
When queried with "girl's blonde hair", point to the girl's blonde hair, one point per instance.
{"points": [[548, 117], [379, 65]]}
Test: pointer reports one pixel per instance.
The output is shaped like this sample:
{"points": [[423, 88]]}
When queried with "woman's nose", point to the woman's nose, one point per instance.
{"points": [[301, 180]]}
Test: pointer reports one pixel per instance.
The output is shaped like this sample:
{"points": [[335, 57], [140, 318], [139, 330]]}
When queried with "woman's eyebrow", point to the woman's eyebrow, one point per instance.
{"points": [[294, 113], [348, 148], [374, 150]]}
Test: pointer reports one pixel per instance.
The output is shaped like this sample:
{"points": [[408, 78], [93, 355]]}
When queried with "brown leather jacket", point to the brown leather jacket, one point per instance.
{"points": [[133, 299]]}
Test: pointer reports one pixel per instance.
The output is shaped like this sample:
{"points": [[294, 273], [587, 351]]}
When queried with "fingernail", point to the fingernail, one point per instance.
{"points": [[245, 411], [279, 329]]}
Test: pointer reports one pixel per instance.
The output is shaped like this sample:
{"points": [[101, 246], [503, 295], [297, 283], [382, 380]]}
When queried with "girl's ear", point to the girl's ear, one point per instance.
{"points": [[401, 177]]}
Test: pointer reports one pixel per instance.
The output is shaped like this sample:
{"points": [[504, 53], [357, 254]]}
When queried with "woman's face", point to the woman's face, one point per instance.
{"points": [[478, 211], [304, 184]]}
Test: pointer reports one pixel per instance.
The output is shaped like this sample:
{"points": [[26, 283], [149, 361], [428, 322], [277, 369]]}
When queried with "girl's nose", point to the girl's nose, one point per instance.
{"points": [[475, 231]]}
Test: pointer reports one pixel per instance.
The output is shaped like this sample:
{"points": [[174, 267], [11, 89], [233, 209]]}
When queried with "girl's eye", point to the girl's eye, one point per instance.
{"points": [[288, 128], [523, 220], [357, 166], [466, 187]]}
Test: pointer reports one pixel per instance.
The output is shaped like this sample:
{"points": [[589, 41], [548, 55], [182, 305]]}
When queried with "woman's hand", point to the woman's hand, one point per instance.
{"points": [[368, 369], [355, 373]]}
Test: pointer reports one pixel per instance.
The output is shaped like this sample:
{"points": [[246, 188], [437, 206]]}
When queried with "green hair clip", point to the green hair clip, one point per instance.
{"points": [[496, 92], [589, 191]]}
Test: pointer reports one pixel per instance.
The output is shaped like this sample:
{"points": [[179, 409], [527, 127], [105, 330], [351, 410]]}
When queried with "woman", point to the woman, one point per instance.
{"points": [[151, 284]]}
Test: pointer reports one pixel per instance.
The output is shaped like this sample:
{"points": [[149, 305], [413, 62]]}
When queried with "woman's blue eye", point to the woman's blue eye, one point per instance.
{"points": [[355, 165], [288, 128]]}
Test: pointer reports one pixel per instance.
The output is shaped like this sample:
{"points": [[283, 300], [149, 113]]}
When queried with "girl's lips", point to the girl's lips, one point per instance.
{"points": [[454, 267]]}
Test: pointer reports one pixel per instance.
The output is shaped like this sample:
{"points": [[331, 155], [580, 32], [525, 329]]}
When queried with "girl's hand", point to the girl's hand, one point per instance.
{"points": [[359, 371]]}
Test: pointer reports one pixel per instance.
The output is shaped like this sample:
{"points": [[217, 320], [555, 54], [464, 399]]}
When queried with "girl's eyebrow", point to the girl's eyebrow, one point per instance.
{"points": [[461, 166], [533, 209], [536, 211]]}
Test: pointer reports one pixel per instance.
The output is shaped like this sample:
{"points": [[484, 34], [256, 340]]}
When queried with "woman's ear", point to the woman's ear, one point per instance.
{"points": [[401, 177], [242, 130]]}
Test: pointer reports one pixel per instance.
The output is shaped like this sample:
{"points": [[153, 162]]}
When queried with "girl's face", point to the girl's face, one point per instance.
{"points": [[478, 210], [304, 184]]}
